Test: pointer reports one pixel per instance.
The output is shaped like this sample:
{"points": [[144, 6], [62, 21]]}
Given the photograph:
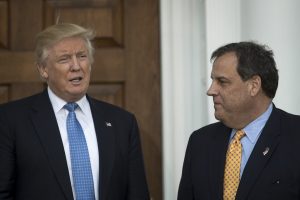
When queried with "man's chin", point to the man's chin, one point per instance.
{"points": [[218, 116], [76, 95], [77, 91]]}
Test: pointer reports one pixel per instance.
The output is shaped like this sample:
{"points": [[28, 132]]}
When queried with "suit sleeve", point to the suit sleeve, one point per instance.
{"points": [[7, 160], [138, 189], [185, 191]]}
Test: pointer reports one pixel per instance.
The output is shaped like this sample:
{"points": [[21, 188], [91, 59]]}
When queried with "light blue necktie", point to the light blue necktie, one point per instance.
{"points": [[80, 160]]}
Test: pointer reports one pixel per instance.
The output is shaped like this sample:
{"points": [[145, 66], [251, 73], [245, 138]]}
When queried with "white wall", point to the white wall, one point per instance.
{"points": [[190, 31], [184, 109]]}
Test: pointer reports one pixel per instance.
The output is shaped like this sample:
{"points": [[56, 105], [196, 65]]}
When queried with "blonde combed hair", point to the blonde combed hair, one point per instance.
{"points": [[53, 34]]}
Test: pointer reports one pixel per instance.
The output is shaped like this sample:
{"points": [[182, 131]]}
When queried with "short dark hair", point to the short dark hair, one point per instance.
{"points": [[253, 59]]}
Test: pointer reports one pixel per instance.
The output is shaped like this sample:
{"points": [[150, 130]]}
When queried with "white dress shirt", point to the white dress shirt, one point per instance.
{"points": [[85, 118]]}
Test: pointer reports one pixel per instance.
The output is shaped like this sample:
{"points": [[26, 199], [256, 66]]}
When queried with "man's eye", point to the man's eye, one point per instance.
{"points": [[64, 59], [82, 56], [222, 82]]}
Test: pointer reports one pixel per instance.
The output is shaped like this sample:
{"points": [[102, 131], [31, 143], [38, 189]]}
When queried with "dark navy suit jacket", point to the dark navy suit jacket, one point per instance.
{"points": [[274, 175], [32, 160]]}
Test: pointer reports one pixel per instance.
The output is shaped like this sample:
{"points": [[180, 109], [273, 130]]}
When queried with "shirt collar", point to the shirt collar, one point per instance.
{"points": [[254, 129], [58, 103]]}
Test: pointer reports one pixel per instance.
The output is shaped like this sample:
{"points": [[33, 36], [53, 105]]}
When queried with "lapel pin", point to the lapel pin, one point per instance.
{"points": [[108, 123], [265, 152]]}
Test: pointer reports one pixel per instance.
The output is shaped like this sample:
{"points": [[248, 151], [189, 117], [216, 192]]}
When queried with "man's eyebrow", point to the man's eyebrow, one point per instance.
{"points": [[63, 55], [81, 51], [219, 77]]}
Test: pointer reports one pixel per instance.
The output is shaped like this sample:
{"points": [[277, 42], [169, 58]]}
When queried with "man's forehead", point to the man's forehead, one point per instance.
{"points": [[59, 49], [226, 62], [228, 72]]}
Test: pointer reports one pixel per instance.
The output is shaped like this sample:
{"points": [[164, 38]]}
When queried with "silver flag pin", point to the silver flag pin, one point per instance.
{"points": [[108, 123], [265, 152]]}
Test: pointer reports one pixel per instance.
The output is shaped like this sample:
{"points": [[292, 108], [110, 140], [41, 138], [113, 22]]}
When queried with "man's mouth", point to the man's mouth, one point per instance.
{"points": [[76, 79], [217, 104]]}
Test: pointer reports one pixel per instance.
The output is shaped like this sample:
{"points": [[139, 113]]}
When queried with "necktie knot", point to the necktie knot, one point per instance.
{"points": [[71, 107], [239, 135]]}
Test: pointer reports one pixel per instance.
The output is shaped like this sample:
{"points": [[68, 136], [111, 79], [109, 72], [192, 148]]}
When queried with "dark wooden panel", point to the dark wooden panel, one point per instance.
{"points": [[143, 82], [118, 22], [3, 24], [99, 18], [25, 23], [21, 90], [111, 93], [108, 65], [3, 94], [106, 18], [17, 67]]}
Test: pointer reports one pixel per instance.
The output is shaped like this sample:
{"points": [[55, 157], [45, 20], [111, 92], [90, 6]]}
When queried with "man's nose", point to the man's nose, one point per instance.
{"points": [[75, 63], [212, 90]]}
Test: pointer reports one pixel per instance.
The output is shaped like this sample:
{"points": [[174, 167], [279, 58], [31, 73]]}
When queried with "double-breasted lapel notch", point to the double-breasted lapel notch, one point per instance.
{"points": [[217, 159], [262, 152], [46, 128], [104, 127]]}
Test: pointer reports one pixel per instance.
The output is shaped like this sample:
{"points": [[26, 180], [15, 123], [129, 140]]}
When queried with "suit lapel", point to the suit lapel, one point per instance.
{"points": [[260, 155], [46, 127], [104, 127], [217, 159]]}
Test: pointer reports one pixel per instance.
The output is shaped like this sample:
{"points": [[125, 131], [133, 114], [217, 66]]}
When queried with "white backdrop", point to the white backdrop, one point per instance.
{"points": [[190, 31]]}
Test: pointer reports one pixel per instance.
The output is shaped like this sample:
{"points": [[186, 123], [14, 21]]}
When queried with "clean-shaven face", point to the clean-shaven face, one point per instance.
{"points": [[231, 95], [67, 68]]}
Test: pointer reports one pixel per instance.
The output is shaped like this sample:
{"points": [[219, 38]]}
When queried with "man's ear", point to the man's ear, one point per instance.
{"points": [[43, 71], [254, 85]]}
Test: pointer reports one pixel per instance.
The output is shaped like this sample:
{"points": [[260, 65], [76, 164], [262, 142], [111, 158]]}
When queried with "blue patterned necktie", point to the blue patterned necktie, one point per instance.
{"points": [[80, 161]]}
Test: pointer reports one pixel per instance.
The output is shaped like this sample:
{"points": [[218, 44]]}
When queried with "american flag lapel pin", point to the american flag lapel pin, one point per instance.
{"points": [[265, 152], [108, 124]]}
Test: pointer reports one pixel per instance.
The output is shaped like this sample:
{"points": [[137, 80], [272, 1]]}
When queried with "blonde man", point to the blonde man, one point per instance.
{"points": [[62, 144]]}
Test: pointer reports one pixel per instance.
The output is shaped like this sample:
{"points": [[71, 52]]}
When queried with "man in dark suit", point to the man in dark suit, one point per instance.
{"points": [[40, 155], [244, 82]]}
